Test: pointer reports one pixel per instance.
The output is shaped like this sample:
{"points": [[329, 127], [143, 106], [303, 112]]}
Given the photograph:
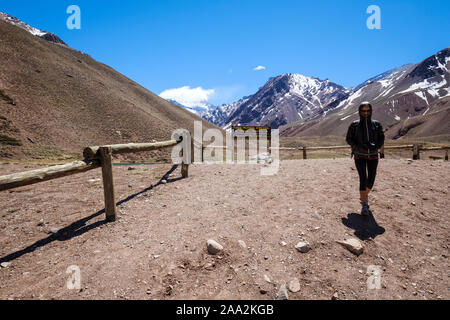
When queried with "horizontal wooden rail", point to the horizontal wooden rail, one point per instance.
{"points": [[326, 148], [346, 147], [93, 152], [433, 148], [225, 147], [95, 157], [332, 147], [282, 148], [34, 176], [416, 148], [408, 146]]}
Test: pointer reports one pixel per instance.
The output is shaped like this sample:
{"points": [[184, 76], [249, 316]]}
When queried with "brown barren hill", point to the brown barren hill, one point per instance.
{"points": [[55, 100]]}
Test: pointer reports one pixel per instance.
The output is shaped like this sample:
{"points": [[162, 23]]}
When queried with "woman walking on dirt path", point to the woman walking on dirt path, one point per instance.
{"points": [[365, 136]]}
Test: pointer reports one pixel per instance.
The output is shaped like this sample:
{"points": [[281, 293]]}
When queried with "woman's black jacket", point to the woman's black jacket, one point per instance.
{"points": [[365, 137]]}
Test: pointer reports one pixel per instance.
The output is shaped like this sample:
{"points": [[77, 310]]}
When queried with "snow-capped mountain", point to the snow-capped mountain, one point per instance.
{"points": [[220, 115], [382, 76], [379, 87], [282, 100], [403, 98], [198, 110], [36, 32], [406, 98], [427, 80]]}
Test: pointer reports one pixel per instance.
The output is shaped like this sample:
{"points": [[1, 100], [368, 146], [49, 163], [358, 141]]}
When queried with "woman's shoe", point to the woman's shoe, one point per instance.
{"points": [[365, 209]]}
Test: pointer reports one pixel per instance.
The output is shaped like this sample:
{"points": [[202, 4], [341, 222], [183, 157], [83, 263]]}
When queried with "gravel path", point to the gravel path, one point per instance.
{"points": [[157, 248]]}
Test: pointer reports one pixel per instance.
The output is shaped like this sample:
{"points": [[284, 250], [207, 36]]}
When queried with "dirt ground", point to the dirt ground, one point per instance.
{"points": [[157, 247]]}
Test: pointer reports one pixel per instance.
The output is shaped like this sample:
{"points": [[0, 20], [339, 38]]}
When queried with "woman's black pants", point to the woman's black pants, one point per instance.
{"points": [[367, 170]]}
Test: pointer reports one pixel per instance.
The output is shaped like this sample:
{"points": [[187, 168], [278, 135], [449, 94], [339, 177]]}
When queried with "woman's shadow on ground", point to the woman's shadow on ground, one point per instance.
{"points": [[365, 226]]}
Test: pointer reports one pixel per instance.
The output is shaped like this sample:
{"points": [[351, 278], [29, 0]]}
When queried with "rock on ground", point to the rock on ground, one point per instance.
{"points": [[242, 244], [303, 247], [53, 231], [294, 285], [353, 245], [213, 247]]}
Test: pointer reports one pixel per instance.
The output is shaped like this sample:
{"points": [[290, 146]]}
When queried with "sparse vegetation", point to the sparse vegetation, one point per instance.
{"points": [[6, 140], [5, 97]]}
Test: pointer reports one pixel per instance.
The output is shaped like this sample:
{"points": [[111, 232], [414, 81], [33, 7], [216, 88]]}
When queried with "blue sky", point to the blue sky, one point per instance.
{"points": [[216, 44]]}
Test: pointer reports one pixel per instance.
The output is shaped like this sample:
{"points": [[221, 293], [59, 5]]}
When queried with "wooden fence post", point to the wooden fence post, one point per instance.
{"points": [[304, 152], [184, 166], [192, 149], [185, 161], [108, 183], [416, 152], [184, 170]]}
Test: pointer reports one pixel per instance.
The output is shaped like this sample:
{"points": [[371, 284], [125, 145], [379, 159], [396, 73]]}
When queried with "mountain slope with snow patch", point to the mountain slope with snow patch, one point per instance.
{"points": [[408, 92], [51, 37]]}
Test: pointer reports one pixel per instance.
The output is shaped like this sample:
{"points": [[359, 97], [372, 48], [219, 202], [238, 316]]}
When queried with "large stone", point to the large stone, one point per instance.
{"points": [[213, 247], [303, 247], [53, 231], [294, 285], [353, 245]]}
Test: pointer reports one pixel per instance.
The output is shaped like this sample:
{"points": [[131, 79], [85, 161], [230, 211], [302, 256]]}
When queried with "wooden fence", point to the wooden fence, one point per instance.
{"points": [[95, 157], [415, 149], [101, 156]]}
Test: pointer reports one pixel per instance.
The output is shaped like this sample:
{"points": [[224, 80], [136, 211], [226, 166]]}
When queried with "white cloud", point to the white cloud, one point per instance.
{"points": [[259, 68], [189, 97]]}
